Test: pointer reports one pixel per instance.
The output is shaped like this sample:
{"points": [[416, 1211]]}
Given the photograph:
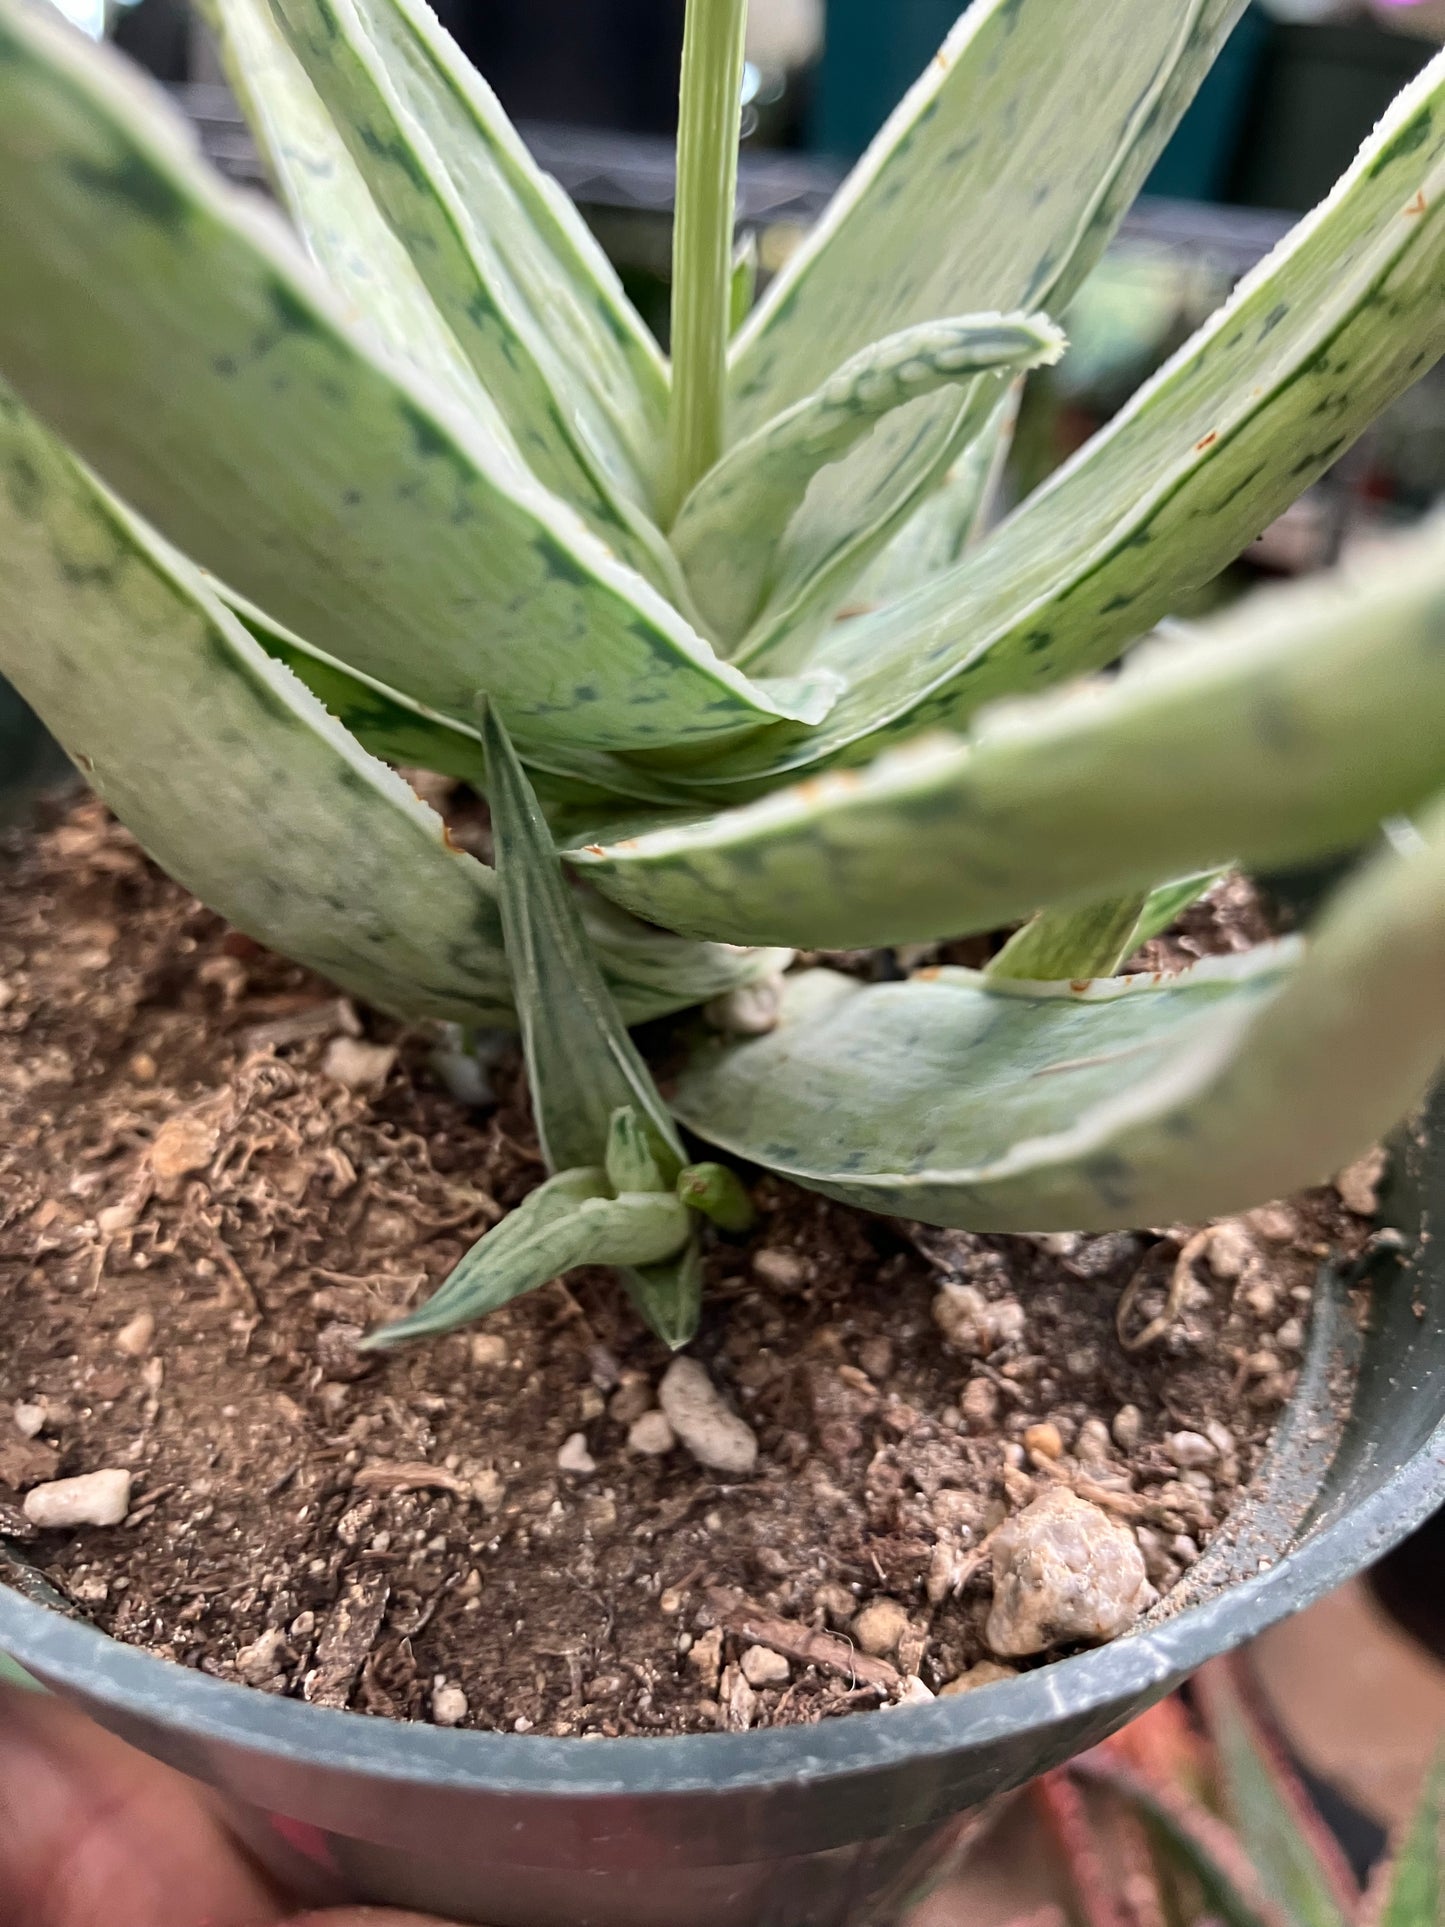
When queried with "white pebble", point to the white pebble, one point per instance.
{"points": [[1190, 1449], [574, 1456], [489, 1352], [448, 1704], [763, 1667], [93, 1499], [913, 1692], [133, 1340], [1128, 1424], [706, 1424], [651, 1435], [357, 1065], [29, 1420], [783, 1270], [987, 1673]]}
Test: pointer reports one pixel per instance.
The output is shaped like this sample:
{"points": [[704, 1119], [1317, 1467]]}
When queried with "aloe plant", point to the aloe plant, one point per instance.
{"points": [[1166, 1822], [728, 641]]}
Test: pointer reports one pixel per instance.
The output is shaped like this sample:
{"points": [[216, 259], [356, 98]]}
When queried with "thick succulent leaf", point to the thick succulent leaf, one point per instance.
{"points": [[631, 1161], [731, 530], [996, 184], [402, 731], [528, 294], [1165, 905], [331, 204], [651, 972], [1284, 730], [668, 1296], [569, 1221], [581, 1064], [718, 1193], [168, 327], [940, 532], [1293, 1851], [1315, 342], [1231, 1887], [978, 1102], [1409, 1890], [228, 771], [1065, 944]]}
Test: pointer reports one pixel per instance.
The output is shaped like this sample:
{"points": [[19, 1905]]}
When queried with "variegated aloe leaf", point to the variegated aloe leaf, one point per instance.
{"points": [[731, 530], [979, 1102], [168, 328], [996, 184], [571, 1220], [582, 1066], [228, 771], [332, 207], [526, 292], [1313, 345], [1284, 730], [239, 784], [1166, 904], [668, 1296], [1069, 944]]}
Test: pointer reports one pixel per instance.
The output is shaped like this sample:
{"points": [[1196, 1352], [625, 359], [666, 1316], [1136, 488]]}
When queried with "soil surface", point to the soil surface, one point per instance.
{"points": [[215, 1173]]}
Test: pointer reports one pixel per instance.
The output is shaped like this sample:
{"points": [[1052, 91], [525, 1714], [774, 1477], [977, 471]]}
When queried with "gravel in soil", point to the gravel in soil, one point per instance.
{"points": [[932, 1460]]}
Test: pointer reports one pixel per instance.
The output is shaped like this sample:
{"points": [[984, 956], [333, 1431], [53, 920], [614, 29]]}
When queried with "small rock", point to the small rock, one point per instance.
{"points": [[979, 1404], [632, 1398], [913, 1692], [574, 1456], [183, 1145], [591, 1404], [1275, 1223], [1063, 1571], [448, 1704], [133, 1340], [356, 1064], [489, 1489], [651, 1435], [763, 1667], [263, 1659], [1045, 1439], [488, 1351], [1231, 1249], [739, 1703], [29, 1419], [987, 1673], [91, 1590], [1127, 1426], [1359, 1184], [93, 1499], [880, 1626], [975, 1325], [875, 1355], [337, 1354], [782, 1270], [1094, 1445], [836, 1601], [714, 1434], [750, 1011], [1190, 1449], [1291, 1335]]}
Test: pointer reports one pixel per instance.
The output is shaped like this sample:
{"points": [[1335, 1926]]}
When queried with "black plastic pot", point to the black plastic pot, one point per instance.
{"points": [[826, 1826]]}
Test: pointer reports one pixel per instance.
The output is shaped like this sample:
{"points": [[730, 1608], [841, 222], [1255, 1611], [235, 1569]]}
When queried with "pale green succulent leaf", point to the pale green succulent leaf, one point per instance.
{"points": [[567, 1222], [581, 1064], [950, 520], [1165, 905], [1283, 730], [331, 205], [652, 972], [1067, 944], [1409, 1889], [1295, 1856], [528, 294], [731, 533], [995, 184], [744, 290], [996, 1106], [226, 768], [719, 1194], [631, 1161], [168, 327], [668, 1295], [1329, 329]]}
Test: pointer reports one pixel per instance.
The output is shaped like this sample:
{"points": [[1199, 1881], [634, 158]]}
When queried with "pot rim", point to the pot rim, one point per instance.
{"points": [[1136, 1667]]}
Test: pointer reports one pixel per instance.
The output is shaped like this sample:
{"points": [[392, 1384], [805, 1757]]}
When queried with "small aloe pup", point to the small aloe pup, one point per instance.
{"points": [[725, 639]]}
